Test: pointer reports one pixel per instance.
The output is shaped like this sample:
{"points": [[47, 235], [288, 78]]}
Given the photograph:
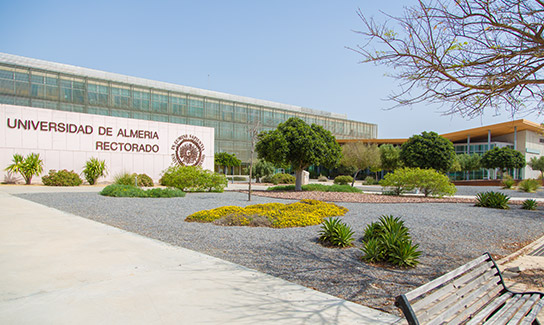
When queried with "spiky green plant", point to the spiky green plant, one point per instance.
{"points": [[335, 233], [529, 204], [496, 200], [94, 169], [529, 185], [389, 240], [28, 166]]}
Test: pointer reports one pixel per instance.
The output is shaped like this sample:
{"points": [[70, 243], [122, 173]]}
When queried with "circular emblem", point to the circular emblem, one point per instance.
{"points": [[188, 151]]}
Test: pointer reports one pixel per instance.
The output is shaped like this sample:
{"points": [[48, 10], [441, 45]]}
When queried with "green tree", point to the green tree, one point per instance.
{"points": [[224, 159], [296, 143], [471, 55], [262, 168], [468, 163], [361, 156], [503, 158], [428, 150], [390, 157], [537, 164], [94, 169], [28, 166]]}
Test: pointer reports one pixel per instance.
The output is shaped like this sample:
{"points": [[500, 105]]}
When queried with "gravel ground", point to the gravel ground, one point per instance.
{"points": [[449, 235]]}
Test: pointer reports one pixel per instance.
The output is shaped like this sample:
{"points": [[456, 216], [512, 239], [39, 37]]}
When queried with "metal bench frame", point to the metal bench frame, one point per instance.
{"points": [[453, 300]]}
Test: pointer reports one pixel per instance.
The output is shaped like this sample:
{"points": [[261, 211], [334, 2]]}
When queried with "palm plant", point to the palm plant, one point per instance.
{"points": [[28, 166], [94, 168]]}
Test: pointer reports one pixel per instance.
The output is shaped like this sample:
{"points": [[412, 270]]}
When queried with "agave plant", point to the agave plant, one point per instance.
{"points": [[388, 240], [336, 233], [28, 166], [496, 200], [529, 204]]}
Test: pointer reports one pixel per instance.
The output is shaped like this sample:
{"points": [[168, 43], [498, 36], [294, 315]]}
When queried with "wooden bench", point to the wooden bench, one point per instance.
{"points": [[474, 293]]}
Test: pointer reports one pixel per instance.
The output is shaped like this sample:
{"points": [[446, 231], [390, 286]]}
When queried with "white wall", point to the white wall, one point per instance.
{"points": [[65, 150]]}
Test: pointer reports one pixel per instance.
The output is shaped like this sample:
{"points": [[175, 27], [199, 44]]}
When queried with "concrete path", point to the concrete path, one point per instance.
{"points": [[57, 268]]}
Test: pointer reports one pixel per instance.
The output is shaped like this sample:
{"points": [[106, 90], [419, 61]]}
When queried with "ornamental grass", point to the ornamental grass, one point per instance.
{"points": [[275, 215]]}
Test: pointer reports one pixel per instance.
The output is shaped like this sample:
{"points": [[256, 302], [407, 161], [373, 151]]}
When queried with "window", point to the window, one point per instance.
{"points": [[212, 109], [120, 96], [196, 108], [159, 102], [72, 90], [227, 111], [98, 93], [179, 104], [240, 113]]}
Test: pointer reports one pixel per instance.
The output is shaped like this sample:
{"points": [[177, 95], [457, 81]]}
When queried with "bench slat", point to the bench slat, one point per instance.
{"points": [[498, 315], [524, 309], [479, 303], [532, 315], [459, 305], [447, 289], [481, 315], [446, 277], [507, 313], [487, 281]]}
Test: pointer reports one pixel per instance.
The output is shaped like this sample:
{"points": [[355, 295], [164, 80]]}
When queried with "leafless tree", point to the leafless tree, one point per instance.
{"points": [[253, 130], [470, 55]]}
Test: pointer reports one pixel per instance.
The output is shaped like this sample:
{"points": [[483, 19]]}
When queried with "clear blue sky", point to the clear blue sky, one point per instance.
{"points": [[291, 52]]}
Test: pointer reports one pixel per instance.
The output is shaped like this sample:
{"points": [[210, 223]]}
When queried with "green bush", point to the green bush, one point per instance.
{"points": [[61, 178], [144, 180], [495, 200], [29, 166], [322, 178], [369, 180], [317, 188], [335, 233], [283, 179], [94, 169], [343, 180], [529, 185], [123, 178], [193, 179], [428, 181], [388, 240], [529, 204], [508, 182], [119, 190]]}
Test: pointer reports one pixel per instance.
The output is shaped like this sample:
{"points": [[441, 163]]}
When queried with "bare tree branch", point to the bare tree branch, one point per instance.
{"points": [[472, 55]]}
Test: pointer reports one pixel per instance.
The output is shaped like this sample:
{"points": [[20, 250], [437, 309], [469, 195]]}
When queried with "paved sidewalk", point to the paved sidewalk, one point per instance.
{"points": [[58, 268]]}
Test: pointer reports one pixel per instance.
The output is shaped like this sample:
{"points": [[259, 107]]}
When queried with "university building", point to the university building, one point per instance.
{"points": [[522, 135], [41, 84]]}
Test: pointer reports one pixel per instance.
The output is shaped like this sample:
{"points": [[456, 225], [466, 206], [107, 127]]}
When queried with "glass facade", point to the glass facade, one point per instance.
{"points": [[51, 89], [480, 149]]}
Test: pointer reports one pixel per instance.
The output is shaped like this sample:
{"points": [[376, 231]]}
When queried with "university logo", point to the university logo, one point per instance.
{"points": [[188, 151]]}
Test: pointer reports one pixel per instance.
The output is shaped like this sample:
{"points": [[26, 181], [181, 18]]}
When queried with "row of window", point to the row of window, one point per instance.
{"points": [[78, 91]]}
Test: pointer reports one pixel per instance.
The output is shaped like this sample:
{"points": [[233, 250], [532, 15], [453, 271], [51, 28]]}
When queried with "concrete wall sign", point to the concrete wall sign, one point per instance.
{"points": [[66, 140]]}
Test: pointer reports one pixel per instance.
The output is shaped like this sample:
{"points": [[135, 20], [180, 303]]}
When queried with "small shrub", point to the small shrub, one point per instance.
{"points": [[282, 179], [529, 204], [369, 180], [428, 181], [144, 180], [123, 179], [61, 178], [94, 169], [529, 185], [193, 179], [322, 178], [298, 214], [508, 182], [335, 233], [388, 240], [119, 190], [343, 180], [492, 199]]}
